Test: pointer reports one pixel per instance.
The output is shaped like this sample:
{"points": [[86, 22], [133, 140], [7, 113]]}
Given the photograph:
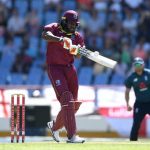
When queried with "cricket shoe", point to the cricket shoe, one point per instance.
{"points": [[55, 134], [76, 139]]}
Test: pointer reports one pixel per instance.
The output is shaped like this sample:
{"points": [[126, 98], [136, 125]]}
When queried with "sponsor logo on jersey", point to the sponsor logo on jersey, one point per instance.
{"points": [[144, 89], [142, 86], [135, 80], [58, 83]]}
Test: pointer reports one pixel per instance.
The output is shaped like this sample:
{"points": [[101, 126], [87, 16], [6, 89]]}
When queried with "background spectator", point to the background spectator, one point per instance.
{"points": [[117, 29]]}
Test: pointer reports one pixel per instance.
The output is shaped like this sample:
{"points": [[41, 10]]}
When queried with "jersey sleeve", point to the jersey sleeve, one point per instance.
{"points": [[80, 40], [49, 27], [128, 82]]}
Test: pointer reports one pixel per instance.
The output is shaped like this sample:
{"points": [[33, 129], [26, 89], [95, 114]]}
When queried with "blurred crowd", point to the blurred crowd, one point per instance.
{"points": [[118, 29]]}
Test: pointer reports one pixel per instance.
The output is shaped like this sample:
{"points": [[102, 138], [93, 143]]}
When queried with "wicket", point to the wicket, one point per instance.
{"points": [[17, 127]]}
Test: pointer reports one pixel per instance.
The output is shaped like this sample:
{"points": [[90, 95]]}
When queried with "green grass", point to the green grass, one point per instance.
{"points": [[145, 145]]}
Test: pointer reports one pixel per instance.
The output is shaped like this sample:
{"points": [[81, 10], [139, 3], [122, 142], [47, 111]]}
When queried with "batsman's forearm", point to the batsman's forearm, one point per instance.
{"points": [[50, 37], [127, 97]]}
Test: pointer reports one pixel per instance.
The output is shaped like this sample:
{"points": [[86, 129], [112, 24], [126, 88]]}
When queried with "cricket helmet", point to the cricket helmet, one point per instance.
{"points": [[69, 17]]}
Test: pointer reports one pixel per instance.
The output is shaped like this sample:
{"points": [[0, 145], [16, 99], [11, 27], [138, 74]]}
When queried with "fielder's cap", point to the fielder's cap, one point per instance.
{"points": [[138, 60]]}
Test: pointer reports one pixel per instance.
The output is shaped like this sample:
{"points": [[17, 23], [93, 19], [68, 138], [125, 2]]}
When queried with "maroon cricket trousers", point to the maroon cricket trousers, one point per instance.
{"points": [[65, 83]]}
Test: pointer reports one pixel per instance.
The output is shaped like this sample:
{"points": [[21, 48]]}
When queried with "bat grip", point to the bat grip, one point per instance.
{"points": [[83, 52]]}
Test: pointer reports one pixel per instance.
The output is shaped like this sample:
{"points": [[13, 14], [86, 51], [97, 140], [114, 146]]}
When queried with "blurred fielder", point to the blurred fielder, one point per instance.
{"points": [[140, 81], [62, 72]]}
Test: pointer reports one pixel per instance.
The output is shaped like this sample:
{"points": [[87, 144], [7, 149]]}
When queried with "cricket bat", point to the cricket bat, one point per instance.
{"points": [[94, 56]]}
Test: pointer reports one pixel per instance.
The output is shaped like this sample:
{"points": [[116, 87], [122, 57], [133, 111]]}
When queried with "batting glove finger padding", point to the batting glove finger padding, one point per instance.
{"points": [[74, 49]]}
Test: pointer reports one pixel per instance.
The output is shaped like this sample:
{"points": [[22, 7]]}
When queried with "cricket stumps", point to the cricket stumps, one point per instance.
{"points": [[15, 125]]}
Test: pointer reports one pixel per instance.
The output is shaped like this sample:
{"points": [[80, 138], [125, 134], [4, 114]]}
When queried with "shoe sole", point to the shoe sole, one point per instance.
{"points": [[49, 126], [75, 142]]}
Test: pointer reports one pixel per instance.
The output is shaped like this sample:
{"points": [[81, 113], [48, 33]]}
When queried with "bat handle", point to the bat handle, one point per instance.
{"points": [[83, 51]]}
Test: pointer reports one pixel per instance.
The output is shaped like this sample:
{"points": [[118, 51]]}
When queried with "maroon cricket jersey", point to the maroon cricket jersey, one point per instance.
{"points": [[56, 54]]}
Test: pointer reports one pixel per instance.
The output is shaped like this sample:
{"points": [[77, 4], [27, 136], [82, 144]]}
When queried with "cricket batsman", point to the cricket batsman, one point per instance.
{"points": [[140, 81], [62, 73]]}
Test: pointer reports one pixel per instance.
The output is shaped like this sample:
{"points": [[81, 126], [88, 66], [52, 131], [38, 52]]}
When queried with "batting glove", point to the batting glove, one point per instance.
{"points": [[67, 43], [74, 49]]}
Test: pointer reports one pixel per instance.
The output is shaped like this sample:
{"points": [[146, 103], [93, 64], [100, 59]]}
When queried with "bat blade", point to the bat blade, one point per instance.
{"points": [[103, 60], [98, 58]]}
